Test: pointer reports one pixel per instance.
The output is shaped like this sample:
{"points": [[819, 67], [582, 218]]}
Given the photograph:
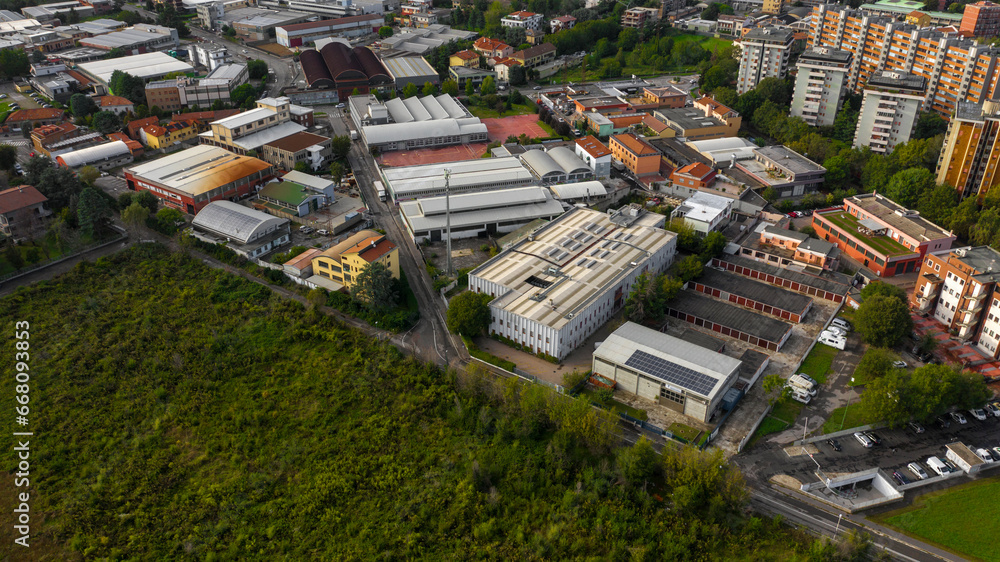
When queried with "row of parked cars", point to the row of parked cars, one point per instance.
{"points": [[835, 335]]}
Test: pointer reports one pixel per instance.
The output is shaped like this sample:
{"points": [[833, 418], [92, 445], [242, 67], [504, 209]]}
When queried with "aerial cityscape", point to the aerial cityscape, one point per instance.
{"points": [[510, 279]]}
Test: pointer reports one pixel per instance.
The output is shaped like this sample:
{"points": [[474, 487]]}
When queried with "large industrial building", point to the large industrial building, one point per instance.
{"points": [[672, 372], [190, 179], [147, 66], [556, 165], [411, 123], [428, 180], [555, 288], [248, 232], [343, 69], [411, 70], [102, 157], [140, 38], [299, 34], [475, 214]]}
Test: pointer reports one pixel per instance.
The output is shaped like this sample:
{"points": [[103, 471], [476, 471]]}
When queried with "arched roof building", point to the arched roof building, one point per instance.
{"points": [[338, 66]]}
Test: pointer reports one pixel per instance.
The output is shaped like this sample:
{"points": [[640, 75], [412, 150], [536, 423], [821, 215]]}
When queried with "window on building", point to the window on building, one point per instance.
{"points": [[671, 395]]}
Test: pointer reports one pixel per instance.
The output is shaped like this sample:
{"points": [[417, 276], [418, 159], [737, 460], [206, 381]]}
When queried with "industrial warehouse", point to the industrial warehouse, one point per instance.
{"points": [[557, 286], [190, 179], [729, 320], [477, 214], [830, 286], [428, 180], [682, 376], [147, 66], [406, 124]]}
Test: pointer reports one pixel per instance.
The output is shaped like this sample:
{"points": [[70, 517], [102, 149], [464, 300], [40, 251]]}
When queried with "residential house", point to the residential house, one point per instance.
{"points": [[342, 263], [312, 150], [34, 117], [466, 58], [696, 175], [133, 127], [22, 212], [595, 154], [536, 56], [788, 248], [117, 105], [162, 136], [502, 68], [492, 49], [523, 20], [560, 23]]}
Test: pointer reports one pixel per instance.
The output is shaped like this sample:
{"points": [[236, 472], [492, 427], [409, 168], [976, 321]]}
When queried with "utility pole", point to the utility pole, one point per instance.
{"points": [[447, 213]]}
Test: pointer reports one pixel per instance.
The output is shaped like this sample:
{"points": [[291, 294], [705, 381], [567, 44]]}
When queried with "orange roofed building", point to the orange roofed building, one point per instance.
{"points": [[492, 49], [695, 175], [636, 154], [342, 263]]}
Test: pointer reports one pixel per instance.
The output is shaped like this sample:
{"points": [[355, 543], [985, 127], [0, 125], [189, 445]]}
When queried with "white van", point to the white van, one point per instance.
{"points": [[864, 440], [837, 331], [800, 395], [832, 340], [841, 323], [985, 455], [798, 381], [938, 466]]}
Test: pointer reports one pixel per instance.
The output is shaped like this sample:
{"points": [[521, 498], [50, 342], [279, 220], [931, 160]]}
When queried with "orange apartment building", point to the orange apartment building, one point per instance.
{"points": [[956, 68], [981, 19], [971, 153], [636, 154], [785, 248], [960, 288], [696, 175], [880, 235]]}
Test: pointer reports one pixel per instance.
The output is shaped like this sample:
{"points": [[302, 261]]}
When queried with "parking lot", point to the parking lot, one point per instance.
{"points": [[899, 447]]}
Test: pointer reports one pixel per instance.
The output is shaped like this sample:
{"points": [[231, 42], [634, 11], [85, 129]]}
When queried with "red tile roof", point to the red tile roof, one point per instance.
{"points": [[635, 144], [466, 55], [372, 248], [20, 197], [522, 14], [204, 115], [32, 114], [296, 142], [328, 23], [83, 80], [696, 170], [487, 44], [593, 146], [114, 101], [136, 124]]}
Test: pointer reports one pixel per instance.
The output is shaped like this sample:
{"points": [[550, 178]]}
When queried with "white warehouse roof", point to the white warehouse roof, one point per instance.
{"points": [[396, 132], [673, 361], [85, 156], [145, 66], [234, 221], [408, 182], [498, 206], [579, 190]]}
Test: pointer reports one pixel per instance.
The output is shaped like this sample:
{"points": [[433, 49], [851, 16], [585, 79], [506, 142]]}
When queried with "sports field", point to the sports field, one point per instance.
{"points": [[963, 519], [433, 155], [500, 129]]}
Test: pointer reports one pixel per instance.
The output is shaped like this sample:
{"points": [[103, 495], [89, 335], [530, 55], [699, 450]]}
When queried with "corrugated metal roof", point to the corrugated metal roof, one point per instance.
{"points": [[85, 156], [505, 205], [200, 169], [234, 221], [409, 67], [145, 66], [579, 190]]}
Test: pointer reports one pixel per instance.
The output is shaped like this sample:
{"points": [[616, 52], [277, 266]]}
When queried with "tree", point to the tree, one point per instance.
{"points": [[938, 204], [689, 268], [776, 90], [639, 462], [628, 38], [128, 86], [929, 124], [883, 321], [838, 172], [469, 313], [687, 238], [243, 94], [92, 211], [429, 89], [643, 299], [883, 400], [8, 157], [147, 200], [134, 216], [14, 63], [82, 105], [337, 171], [303, 167], [385, 31], [713, 245], [517, 76], [257, 69], [340, 145], [167, 220], [770, 194], [906, 187], [13, 256], [410, 90], [375, 287], [107, 122], [449, 87], [884, 289], [117, 53], [775, 389], [470, 88], [88, 174], [60, 185], [488, 87], [875, 363]]}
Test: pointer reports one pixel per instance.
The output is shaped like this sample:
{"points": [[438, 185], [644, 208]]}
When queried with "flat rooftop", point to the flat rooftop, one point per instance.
{"points": [[900, 218], [145, 66], [788, 159], [730, 316], [198, 170], [830, 282], [825, 55], [689, 118], [590, 254], [413, 181], [484, 207], [895, 81], [755, 290]]}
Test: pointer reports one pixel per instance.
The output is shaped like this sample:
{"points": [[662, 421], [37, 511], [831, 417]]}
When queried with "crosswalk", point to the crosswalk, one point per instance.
{"points": [[15, 142]]}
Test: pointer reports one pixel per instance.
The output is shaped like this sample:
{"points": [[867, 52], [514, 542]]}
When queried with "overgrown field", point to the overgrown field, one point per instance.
{"points": [[182, 413]]}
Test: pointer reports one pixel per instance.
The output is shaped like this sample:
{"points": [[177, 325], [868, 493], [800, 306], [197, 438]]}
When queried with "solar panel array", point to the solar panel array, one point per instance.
{"points": [[671, 372]]}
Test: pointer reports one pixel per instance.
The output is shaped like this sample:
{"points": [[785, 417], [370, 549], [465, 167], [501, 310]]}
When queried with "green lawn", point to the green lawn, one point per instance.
{"points": [[781, 418], [548, 129], [962, 519], [817, 363], [848, 223], [616, 406], [844, 417], [594, 73], [685, 432], [490, 113]]}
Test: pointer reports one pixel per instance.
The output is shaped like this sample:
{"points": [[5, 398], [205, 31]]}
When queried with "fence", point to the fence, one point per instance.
{"points": [[88, 248], [753, 428], [646, 426]]}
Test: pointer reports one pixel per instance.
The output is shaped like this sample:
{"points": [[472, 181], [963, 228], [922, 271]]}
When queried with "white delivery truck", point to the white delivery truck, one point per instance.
{"points": [[354, 135]]}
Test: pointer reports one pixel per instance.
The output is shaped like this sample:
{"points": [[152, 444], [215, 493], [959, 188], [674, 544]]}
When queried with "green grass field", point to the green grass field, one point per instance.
{"points": [[844, 417], [817, 363], [489, 113], [685, 432], [593, 73], [962, 519]]}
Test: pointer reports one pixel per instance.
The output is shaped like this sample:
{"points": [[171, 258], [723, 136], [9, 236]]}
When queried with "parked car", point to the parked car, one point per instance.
{"points": [[306, 229], [925, 357], [899, 478], [996, 452], [808, 378], [916, 427], [899, 364], [993, 408], [958, 417], [917, 470], [864, 440], [3, 96], [835, 444], [340, 106], [842, 324], [322, 232], [978, 413], [943, 422], [839, 332], [985, 454], [537, 88], [875, 438]]}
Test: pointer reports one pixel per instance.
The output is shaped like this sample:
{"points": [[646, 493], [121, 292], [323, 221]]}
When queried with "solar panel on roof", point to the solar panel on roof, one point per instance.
{"points": [[671, 372]]}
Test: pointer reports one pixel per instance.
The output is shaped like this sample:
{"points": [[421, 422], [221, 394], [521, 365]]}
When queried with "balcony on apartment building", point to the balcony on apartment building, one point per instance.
{"points": [[928, 297]]}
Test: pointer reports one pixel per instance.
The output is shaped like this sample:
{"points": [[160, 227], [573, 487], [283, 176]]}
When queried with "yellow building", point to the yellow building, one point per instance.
{"points": [[772, 6], [342, 263], [468, 59], [161, 136]]}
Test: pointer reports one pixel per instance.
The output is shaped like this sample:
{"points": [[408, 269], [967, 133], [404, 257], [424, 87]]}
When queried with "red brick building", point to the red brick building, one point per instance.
{"points": [[981, 19], [695, 175]]}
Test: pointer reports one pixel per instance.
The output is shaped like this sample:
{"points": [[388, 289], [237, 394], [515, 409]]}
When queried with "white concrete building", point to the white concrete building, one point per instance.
{"points": [[820, 85], [889, 111], [595, 154], [555, 288], [248, 232], [471, 214], [428, 180], [680, 375], [764, 53], [704, 212], [413, 123], [209, 55], [523, 20]]}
